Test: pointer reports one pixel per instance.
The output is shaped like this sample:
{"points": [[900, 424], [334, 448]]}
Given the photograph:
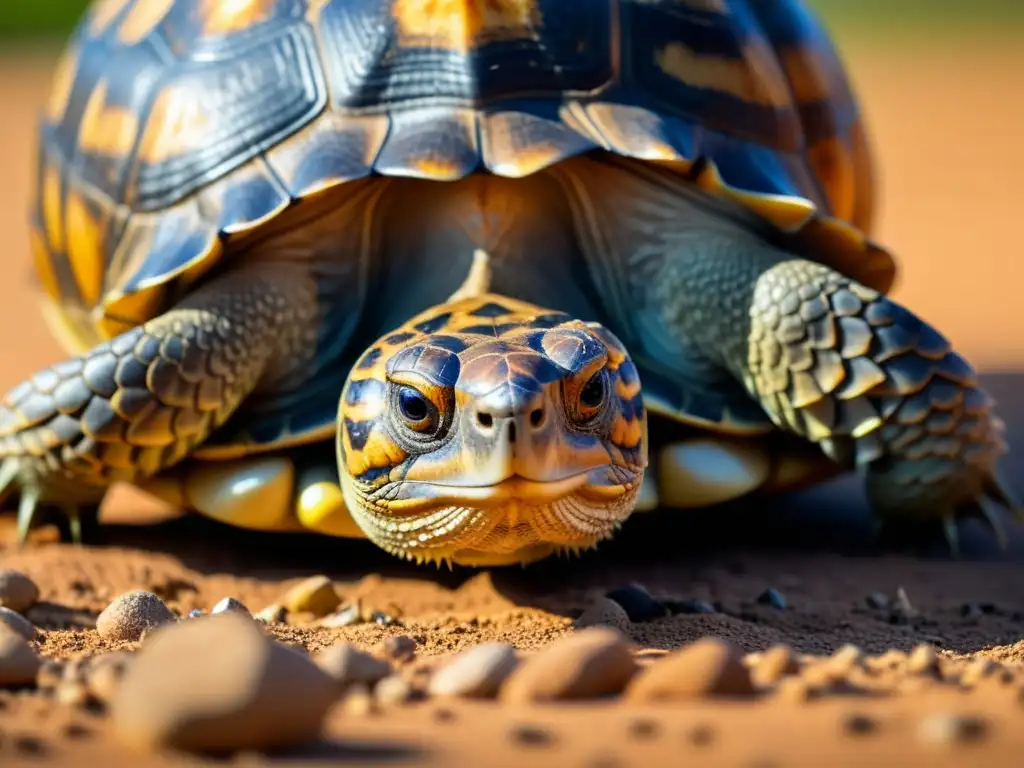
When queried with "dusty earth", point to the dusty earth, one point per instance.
{"points": [[951, 200]]}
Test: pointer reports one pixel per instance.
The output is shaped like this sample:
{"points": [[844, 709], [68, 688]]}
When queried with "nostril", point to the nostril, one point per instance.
{"points": [[485, 420], [537, 417]]}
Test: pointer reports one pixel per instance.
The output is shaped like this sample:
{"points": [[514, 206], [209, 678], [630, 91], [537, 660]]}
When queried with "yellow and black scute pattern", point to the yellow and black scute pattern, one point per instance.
{"points": [[488, 429]]}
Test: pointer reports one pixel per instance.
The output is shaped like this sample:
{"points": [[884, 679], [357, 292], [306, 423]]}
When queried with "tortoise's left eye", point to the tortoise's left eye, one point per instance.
{"points": [[589, 400], [593, 393]]}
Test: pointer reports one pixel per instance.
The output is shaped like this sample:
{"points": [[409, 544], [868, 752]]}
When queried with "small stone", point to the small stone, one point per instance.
{"points": [[772, 597], [18, 623], [979, 670], [272, 614], [949, 730], [72, 694], [19, 663], [708, 667], [971, 611], [393, 690], [644, 729], [531, 736], [30, 746], [877, 600], [104, 675], [383, 619], [844, 660], [17, 591], [923, 660], [343, 618], [692, 606], [195, 613], [358, 701], [314, 595], [858, 724], [230, 604], [132, 614], [476, 673], [603, 612], [220, 684], [903, 610], [775, 663], [589, 663], [794, 690], [400, 648], [638, 603], [347, 665]]}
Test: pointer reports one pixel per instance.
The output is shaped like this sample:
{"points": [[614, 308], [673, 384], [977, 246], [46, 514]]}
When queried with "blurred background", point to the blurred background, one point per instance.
{"points": [[941, 81]]}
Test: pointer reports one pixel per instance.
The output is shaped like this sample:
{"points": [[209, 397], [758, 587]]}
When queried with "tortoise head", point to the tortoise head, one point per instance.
{"points": [[489, 431]]}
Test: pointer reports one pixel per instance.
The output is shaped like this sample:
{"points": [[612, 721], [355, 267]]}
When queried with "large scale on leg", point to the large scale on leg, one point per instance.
{"points": [[238, 205]]}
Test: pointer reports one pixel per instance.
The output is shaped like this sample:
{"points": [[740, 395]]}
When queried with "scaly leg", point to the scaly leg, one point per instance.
{"points": [[141, 402]]}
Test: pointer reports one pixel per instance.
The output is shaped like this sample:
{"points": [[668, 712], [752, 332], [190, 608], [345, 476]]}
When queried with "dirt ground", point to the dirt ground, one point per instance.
{"points": [[947, 131]]}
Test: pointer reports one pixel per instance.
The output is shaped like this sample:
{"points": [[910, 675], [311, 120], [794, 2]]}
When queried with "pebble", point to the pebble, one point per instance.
{"points": [[603, 612], [531, 735], [476, 673], [692, 606], [637, 602], [948, 730], [923, 660], [131, 614], [400, 648], [979, 670], [382, 619], [348, 665], [17, 591], [776, 663], [707, 667], [877, 600], [794, 690], [220, 684], [105, 673], [18, 623], [358, 701], [344, 618], [844, 660], [314, 595], [195, 613], [393, 690], [72, 694], [230, 604], [19, 662], [588, 663], [971, 611], [858, 724], [772, 597], [272, 614]]}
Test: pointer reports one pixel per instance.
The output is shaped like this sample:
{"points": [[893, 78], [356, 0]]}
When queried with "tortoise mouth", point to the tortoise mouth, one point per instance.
{"points": [[516, 520]]}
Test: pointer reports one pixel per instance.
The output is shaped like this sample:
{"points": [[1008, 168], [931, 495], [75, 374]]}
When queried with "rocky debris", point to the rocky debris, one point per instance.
{"points": [[230, 604], [923, 660], [604, 612], [272, 614], [877, 601], [220, 685], [104, 674], [593, 662], [346, 617], [195, 613], [773, 598], [476, 673], [19, 663], [902, 610], [17, 591], [638, 603], [845, 660], [18, 623], [385, 619], [393, 690], [132, 614], [971, 611], [400, 648], [691, 606], [773, 665], [315, 595], [951, 729], [347, 665], [707, 667]]}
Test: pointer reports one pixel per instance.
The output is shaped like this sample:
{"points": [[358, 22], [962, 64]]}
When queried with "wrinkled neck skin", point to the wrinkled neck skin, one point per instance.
{"points": [[534, 441]]}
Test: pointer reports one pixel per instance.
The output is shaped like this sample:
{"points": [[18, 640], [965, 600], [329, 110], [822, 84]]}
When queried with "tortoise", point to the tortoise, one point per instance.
{"points": [[255, 219]]}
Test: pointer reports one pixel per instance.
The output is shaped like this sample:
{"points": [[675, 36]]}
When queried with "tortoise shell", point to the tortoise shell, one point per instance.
{"points": [[178, 129]]}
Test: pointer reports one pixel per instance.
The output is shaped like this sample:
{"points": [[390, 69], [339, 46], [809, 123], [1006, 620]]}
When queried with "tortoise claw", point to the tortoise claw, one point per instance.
{"points": [[952, 534], [27, 506], [988, 510]]}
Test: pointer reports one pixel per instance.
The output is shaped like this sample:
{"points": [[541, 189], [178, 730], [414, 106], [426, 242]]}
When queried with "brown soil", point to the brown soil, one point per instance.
{"points": [[950, 207]]}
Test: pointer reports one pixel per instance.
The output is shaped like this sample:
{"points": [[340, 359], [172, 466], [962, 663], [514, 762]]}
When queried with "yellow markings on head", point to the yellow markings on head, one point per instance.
{"points": [[142, 19], [86, 245], [627, 432], [53, 207], [379, 452], [462, 25], [221, 17], [177, 125], [733, 76], [44, 266], [627, 391], [106, 130], [63, 82]]}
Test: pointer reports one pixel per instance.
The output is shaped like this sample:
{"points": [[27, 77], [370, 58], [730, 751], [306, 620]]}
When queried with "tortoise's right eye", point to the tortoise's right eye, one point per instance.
{"points": [[416, 410]]}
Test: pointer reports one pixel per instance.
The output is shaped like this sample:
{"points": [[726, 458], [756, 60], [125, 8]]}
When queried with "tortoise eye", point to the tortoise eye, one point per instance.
{"points": [[416, 410], [592, 394]]}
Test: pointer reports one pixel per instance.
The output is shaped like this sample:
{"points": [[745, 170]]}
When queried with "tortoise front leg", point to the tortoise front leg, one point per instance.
{"points": [[840, 365], [141, 402]]}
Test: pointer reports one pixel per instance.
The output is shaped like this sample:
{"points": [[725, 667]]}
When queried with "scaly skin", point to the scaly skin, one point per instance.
{"points": [[139, 403], [534, 439]]}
